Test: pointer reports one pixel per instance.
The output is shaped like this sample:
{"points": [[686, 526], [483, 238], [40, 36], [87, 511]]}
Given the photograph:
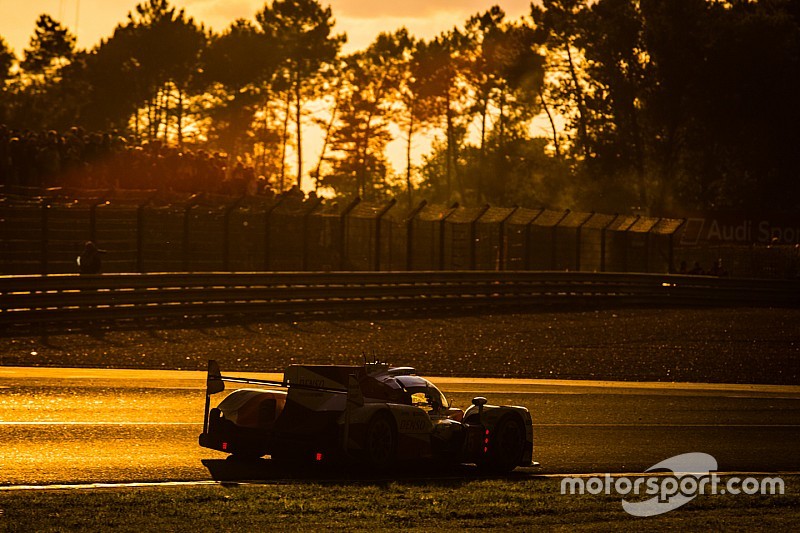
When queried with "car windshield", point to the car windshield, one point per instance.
{"points": [[423, 393]]}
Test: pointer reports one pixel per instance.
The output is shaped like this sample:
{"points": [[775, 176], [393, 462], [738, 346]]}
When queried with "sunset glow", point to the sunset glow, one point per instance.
{"points": [[361, 20]]}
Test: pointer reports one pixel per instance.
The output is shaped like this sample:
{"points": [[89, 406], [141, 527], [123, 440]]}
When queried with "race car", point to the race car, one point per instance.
{"points": [[377, 415]]}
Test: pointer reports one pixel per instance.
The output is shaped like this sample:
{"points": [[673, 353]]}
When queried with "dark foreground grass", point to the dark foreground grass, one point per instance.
{"points": [[440, 505]]}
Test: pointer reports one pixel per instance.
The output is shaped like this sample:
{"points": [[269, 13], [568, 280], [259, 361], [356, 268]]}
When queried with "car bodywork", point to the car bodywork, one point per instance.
{"points": [[376, 414]]}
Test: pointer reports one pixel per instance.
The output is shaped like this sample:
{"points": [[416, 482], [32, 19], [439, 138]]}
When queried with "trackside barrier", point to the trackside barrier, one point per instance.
{"points": [[60, 298], [157, 231]]}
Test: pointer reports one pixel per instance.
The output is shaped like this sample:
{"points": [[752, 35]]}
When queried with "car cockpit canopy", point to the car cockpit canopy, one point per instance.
{"points": [[422, 392]]}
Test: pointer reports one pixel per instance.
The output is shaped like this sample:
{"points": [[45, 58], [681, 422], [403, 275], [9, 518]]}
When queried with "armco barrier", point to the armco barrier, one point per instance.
{"points": [[72, 298]]}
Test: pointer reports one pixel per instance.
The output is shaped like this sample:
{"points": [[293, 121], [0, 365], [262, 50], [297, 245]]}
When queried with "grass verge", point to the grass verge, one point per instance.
{"points": [[438, 505], [715, 345]]}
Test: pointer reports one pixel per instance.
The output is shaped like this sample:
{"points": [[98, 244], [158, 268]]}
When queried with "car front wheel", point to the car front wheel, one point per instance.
{"points": [[381, 442]]}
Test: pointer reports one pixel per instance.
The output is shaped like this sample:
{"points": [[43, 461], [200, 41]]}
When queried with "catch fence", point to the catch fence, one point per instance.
{"points": [[149, 231]]}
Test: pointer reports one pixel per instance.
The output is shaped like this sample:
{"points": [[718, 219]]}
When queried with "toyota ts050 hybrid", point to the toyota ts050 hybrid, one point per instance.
{"points": [[374, 414]]}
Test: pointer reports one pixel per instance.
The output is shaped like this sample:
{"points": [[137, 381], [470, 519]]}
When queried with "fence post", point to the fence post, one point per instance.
{"points": [[578, 241], [306, 216], [385, 209], [193, 201], [554, 241], [671, 251], [603, 242], [93, 218], [226, 232], [627, 242], [268, 229], [45, 221], [647, 246], [410, 232], [501, 248], [528, 238], [473, 235], [140, 236], [453, 209], [343, 231]]}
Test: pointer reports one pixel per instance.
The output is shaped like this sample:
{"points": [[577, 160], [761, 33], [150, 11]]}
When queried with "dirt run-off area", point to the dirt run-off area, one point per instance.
{"points": [[743, 345]]}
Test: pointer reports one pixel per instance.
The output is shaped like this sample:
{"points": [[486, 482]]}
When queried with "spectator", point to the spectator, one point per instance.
{"points": [[105, 160], [295, 193], [89, 261], [49, 159], [718, 269], [697, 270]]}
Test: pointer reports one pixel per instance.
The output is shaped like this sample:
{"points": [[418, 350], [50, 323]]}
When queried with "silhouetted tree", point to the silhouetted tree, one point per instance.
{"points": [[36, 96], [495, 84], [505, 72], [150, 62], [417, 113], [483, 69], [238, 67], [335, 96], [742, 133], [439, 70], [663, 99], [117, 88], [302, 29], [371, 88], [665, 104], [7, 59], [168, 45], [561, 20], [51, 48]]}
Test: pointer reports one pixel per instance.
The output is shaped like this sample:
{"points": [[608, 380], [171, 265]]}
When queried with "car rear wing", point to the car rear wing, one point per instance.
{"points": [[215, 383]]}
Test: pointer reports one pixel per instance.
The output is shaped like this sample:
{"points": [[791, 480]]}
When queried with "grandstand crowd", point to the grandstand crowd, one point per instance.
{"points": [[107, 160]]}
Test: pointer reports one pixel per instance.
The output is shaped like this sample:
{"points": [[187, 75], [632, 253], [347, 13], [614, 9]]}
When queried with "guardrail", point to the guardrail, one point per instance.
{"points": [[72, 298]]}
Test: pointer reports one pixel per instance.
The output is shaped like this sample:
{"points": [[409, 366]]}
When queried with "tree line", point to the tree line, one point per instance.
{"points": [[607, 104]]}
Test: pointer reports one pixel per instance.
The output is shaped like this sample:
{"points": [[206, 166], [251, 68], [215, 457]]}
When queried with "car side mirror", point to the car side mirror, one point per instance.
{"points": [[480, 401]]}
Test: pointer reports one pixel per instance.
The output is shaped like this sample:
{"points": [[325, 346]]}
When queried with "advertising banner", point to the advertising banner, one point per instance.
{"points": [[740, 228]]}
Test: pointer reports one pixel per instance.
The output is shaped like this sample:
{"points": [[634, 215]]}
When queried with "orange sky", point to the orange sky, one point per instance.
{"points": [[362, 20]]}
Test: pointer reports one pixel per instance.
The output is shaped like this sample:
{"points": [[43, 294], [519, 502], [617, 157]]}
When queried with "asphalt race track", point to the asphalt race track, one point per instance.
{"points": [[119, 426]]}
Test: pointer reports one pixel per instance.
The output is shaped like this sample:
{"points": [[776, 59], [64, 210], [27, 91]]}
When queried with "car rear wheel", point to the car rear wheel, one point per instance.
{"points": [[381, 442], [507, 444]]}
